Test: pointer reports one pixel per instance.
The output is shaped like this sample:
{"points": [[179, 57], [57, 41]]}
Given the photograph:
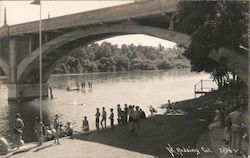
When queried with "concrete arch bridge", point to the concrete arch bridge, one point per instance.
{"points": [[19, 44]]}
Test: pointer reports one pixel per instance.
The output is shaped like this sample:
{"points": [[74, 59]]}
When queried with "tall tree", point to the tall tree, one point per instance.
{"points": [[212, 24]]}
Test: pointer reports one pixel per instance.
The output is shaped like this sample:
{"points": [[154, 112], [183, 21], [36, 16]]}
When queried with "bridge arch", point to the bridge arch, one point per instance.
{"points": [[64, 44]]}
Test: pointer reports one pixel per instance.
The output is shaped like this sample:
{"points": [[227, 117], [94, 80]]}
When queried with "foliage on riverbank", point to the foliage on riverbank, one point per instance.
{"points": [[110, 58], [213, 24]]}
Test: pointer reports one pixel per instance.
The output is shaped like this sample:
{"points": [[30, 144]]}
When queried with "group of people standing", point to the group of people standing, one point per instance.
{"points": [[42, 132], [130, 114], [231, 118], [233, 125], [104, 118], [81, 84]]}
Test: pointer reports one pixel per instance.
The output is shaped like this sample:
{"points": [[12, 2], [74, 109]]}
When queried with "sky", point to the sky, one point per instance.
{"points": [[22, 11]]}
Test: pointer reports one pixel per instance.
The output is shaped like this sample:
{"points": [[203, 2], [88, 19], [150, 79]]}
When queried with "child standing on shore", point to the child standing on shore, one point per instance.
{"points": [[38, 128], [119, 112], [56, 126], [111, 117], [97, 119], [136, 120], [85, 124], [104, 116]]}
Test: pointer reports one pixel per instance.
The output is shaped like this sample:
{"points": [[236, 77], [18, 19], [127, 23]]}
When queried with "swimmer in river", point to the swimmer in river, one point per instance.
{"points": [[68, 88], [77, 86]]}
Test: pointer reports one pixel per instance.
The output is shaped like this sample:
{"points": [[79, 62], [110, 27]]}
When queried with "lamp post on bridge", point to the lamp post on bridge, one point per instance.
{"points": [[38, 2]]}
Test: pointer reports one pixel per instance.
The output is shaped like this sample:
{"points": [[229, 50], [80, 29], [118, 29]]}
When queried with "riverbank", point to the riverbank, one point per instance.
{"points": [[156, 133], [138, 88]]}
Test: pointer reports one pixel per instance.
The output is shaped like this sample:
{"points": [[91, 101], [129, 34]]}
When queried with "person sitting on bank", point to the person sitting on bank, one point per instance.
{"points": [[18, 130], [61, 131], [68, 130], [48, 133], [168, 106], [85, 124], [152, 110]]}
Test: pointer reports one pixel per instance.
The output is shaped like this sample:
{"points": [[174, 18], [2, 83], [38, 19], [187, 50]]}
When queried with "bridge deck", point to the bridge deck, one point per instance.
{"points": [[105, 15]]}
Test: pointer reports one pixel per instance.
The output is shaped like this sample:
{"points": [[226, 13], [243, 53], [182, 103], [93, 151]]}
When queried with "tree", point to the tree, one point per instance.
{"points": [[212, 24], [108, 58]]}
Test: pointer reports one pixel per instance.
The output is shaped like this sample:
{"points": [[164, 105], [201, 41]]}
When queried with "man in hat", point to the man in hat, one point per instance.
{"points": [[18, 130], [236, 119]]}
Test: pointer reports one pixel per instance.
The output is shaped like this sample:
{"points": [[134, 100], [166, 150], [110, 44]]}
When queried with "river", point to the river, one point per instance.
{"points": [[142, 88]]}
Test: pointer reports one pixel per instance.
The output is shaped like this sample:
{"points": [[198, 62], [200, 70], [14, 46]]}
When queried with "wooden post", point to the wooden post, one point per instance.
{"points": [[194, 91], [30, 44], [201, 86]]}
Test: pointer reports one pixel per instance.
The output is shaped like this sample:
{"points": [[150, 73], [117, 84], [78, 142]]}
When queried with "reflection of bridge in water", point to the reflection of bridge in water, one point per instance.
{"points": [[19, 44]]}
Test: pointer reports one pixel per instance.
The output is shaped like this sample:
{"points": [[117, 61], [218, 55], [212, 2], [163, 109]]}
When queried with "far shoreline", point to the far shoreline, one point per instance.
{"points": [[90, 73]]}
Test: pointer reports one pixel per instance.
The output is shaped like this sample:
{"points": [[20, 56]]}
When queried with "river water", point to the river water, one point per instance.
{"points": [[143, 88]]}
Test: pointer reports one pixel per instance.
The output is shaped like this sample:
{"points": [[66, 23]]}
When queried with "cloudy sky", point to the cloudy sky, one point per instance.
{"points": [[22, 11]]}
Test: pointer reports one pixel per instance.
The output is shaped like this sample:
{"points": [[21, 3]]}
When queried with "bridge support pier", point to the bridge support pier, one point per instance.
{"points": [[12, 61], [26, 91]]}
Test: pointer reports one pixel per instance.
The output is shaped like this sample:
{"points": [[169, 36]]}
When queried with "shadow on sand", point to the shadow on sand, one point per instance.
{"points": [[157, 132]]}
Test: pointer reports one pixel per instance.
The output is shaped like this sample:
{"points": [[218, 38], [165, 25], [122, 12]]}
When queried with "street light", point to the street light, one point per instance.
{"points": [[38, 2]]}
